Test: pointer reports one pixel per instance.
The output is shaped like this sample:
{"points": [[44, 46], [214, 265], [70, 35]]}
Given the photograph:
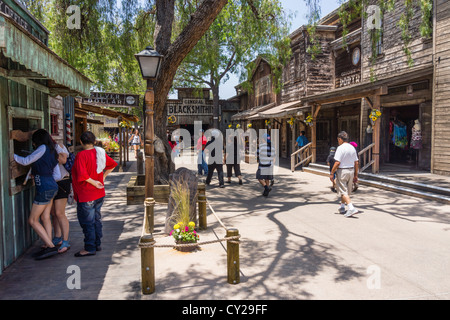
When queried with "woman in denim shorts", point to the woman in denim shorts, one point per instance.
{"points": [[44, 168]]}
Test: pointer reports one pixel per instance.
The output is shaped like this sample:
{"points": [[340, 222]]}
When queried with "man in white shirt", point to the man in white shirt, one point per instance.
{"points": [[346, 169]]}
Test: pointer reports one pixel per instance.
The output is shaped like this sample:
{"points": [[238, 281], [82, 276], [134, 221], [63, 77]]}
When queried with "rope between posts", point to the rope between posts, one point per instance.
{"points": [[194, 244], [215, 215]]}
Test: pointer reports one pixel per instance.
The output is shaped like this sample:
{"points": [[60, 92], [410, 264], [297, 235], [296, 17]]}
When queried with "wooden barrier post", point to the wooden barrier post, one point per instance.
{"points": [[149, 222], [233, 257], [202, 224], [147, 264]]}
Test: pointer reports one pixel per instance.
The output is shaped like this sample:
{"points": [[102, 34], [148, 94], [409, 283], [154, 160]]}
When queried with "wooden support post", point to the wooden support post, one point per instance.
{"points": [[376, 137], [147, 264], [314, 112], [127, 152], [149, 222], [233, 257], [119, 119], [202, 223], [149, 140]]}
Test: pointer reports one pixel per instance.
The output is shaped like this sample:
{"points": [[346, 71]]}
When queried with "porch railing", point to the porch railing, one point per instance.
{"points": [[366, 157], [301, 157]]}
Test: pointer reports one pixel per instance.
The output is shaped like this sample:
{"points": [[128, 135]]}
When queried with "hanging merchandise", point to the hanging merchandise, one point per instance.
{"points": [[400, 137], [416, 136]]}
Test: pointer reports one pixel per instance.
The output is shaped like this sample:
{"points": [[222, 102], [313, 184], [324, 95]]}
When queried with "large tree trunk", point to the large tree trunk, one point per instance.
{"points": [[174, 53], [215, 91]]}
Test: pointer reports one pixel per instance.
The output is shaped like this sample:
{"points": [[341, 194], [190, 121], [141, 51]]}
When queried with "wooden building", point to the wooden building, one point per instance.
{"points": [[32, 80], [440, 135], [360, 73]]}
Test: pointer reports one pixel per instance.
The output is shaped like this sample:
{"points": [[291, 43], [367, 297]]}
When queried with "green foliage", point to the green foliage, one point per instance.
{"points": [[240, 32], [426, 27], [403, 23]]}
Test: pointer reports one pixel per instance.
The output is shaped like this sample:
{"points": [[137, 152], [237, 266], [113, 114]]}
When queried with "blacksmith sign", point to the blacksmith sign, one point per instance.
{"points": [[189, 107], [113, 99]]}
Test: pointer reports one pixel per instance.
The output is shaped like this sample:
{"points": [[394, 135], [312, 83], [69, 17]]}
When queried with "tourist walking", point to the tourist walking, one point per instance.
{"points": [[330, 162], [233, 160], [45, 170], [266, 156], [59, 218], [302, 141], [215, 160], [136, 141], [202, 166], [346, 168], [89, 171]]}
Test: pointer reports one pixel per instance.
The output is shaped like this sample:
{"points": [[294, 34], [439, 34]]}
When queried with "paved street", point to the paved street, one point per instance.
{"points": [[294, 245]]}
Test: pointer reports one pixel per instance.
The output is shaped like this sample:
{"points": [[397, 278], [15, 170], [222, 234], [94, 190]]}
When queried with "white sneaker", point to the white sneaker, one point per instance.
{"points": [[350, 212], [342, 210]]}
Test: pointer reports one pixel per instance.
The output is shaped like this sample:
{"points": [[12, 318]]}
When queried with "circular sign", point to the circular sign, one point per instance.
{"points": [[356, 56], [130, 100]]}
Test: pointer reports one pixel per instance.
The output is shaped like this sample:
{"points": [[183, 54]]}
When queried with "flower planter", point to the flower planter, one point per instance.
{"points": [[114, 154], [185, 248]]}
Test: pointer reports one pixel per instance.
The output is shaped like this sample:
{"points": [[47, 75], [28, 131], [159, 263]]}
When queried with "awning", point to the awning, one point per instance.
{"points": [[366, 89], [84, 107], [248, 113], [40, 62], [283, 110]]}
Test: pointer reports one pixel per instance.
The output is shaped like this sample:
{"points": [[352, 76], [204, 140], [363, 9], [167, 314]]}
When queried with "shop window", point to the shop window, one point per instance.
{"points": [[54, 125], [21, 121]]}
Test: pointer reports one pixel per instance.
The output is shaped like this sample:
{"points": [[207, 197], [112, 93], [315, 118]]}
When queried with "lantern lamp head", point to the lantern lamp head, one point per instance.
{"points": [[149, 62]]}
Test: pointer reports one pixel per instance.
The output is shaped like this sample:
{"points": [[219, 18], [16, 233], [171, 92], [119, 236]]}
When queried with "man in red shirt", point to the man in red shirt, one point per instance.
{"points": [[89, 170], [202, 166]]}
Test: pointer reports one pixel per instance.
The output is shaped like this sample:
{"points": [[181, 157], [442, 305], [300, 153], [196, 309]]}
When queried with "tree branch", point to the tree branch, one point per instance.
{"points": [[183, 44]]}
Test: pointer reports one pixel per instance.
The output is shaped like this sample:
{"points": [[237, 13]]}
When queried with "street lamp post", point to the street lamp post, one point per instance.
{"points": [[150, 63]]}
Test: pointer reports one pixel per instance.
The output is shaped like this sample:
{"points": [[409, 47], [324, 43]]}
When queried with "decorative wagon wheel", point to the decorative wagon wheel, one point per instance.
{"points": [[171, 119]]}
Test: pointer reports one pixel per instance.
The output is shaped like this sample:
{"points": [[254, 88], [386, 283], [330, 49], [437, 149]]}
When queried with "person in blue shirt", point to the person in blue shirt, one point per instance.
{"points": [[302, 141]]}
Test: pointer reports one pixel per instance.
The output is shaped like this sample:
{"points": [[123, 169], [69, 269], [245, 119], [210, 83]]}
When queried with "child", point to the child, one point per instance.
{"points": [[330, 162], [89, 191]]}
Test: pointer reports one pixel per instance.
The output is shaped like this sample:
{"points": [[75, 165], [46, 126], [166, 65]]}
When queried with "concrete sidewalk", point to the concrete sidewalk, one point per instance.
{"points": [[294, 245]]}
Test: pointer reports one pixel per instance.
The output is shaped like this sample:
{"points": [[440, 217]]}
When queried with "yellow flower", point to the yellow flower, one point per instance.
{"points": [[378, 113], [177, 226], [191, 224]]}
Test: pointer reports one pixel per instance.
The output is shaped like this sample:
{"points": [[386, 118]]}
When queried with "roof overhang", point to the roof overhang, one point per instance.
{"points": [[85, 107], [283, 110], [248, 113], [367, 89], [39, 61]]}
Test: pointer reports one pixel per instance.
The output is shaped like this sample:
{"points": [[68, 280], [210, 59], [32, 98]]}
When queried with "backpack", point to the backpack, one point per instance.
{"points": [[70, 161]]}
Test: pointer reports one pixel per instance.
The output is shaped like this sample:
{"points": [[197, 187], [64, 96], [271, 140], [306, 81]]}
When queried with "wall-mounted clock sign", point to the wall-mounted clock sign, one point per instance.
{"points": [[356, 56]]}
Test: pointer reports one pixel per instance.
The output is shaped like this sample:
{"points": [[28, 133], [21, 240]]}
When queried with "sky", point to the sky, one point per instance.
{"points": [[299, 10]]}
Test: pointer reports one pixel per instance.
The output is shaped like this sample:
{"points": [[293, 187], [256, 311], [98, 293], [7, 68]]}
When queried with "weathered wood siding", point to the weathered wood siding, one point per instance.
{"points": [[294, 73], [320, 71], [392, 59], [15, 233], [441, 137], [306, 76], [262, 82]]}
